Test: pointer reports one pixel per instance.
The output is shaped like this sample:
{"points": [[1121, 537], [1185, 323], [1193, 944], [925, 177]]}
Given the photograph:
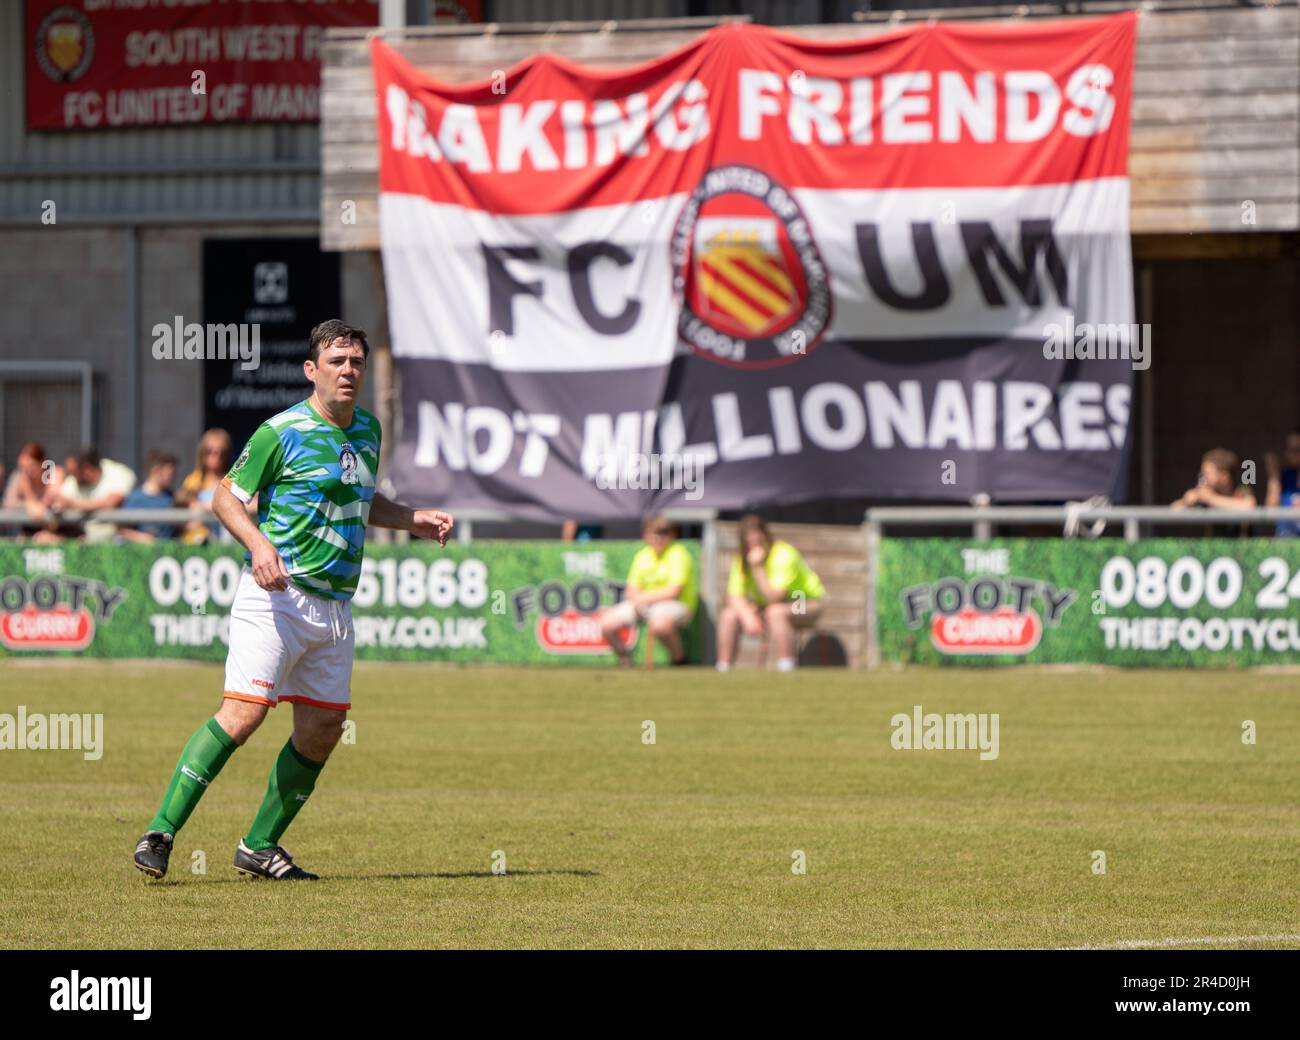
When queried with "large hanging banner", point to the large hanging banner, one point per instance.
{"points": [[765, 269]]}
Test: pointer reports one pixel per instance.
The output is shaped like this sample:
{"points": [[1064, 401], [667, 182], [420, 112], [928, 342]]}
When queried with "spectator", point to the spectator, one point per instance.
{"points": [[34, 484], [770, 588], [1284, 483], [1217, 487], [661, 592], [154, 493], [212, 462], [94, 483]]}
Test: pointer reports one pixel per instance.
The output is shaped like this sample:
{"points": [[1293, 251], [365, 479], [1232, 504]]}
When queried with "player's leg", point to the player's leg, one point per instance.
{"points": [[612, 622], [258, 658], [293, 778], [665, 619], [203, 757], [735, 618], [319, 687], [728, 636], [782, 633]]}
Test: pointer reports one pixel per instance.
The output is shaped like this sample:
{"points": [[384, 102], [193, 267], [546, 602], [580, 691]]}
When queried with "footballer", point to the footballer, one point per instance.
{"points": [[312, 470]]}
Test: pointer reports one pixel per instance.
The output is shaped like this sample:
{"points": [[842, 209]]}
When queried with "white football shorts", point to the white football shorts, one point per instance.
{"points": [[289, 646]]}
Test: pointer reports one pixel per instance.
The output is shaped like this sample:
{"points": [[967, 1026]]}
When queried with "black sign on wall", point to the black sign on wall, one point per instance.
{"points": [[275, 290]]}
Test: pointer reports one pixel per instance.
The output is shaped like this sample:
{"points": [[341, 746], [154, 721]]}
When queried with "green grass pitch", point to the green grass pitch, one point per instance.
{"points": [[609, 841]]}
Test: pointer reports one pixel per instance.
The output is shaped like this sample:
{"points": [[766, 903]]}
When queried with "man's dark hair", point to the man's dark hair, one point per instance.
{"points": [[87, 457], [328, 331]]}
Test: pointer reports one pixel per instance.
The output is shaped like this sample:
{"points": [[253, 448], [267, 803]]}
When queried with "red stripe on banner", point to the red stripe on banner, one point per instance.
{"points": [[761, 278], [933, 106], [720, 275]]}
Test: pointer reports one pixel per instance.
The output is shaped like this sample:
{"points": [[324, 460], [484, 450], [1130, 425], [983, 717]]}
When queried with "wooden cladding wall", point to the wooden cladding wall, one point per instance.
{"points": [[1216, 113]]}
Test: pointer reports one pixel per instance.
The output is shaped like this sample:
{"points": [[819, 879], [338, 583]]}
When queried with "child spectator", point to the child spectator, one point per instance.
{"points": [[1217, 487], [154, 493], [661, 592], [770, 588]]}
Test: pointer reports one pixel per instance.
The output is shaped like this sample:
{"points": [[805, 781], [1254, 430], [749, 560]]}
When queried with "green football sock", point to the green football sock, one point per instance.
{"points": [[292, 780], [201, 760]]}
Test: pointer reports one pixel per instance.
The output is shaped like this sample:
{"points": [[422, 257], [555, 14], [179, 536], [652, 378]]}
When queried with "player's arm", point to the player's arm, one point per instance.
{"points": [[268, 568], [253, 472], [423, 523]]}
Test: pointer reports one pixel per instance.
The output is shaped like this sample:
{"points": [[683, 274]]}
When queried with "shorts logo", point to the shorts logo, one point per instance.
{"points": [[264, 684], [750, 282], [348, 463], [65, 44]]}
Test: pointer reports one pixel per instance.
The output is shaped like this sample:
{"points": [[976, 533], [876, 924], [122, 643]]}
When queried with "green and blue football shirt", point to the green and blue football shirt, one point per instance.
{"points": [[314, 483]]}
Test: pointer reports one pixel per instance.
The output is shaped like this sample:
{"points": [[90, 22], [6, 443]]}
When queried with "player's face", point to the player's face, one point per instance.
{"points": [[340, 373]]}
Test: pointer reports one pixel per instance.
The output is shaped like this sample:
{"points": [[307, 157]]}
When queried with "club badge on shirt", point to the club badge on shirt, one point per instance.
{"points": [[348, 463]]}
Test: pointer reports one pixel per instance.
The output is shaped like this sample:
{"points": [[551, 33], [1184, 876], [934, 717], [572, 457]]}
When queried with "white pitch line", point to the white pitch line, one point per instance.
{"points": [[1208, 940]]}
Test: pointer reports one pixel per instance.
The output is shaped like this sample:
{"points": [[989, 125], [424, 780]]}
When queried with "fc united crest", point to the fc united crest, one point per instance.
{"points": [[65, 44], [748, 277]]}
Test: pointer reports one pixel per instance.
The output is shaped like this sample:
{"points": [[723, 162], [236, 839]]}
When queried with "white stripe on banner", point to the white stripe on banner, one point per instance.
{"points": [[592, 290]]}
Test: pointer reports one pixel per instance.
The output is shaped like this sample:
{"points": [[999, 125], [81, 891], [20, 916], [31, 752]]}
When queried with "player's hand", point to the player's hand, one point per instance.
{"points": [[269, 570], [1273, 465], [755, 556], [433, 523]]}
